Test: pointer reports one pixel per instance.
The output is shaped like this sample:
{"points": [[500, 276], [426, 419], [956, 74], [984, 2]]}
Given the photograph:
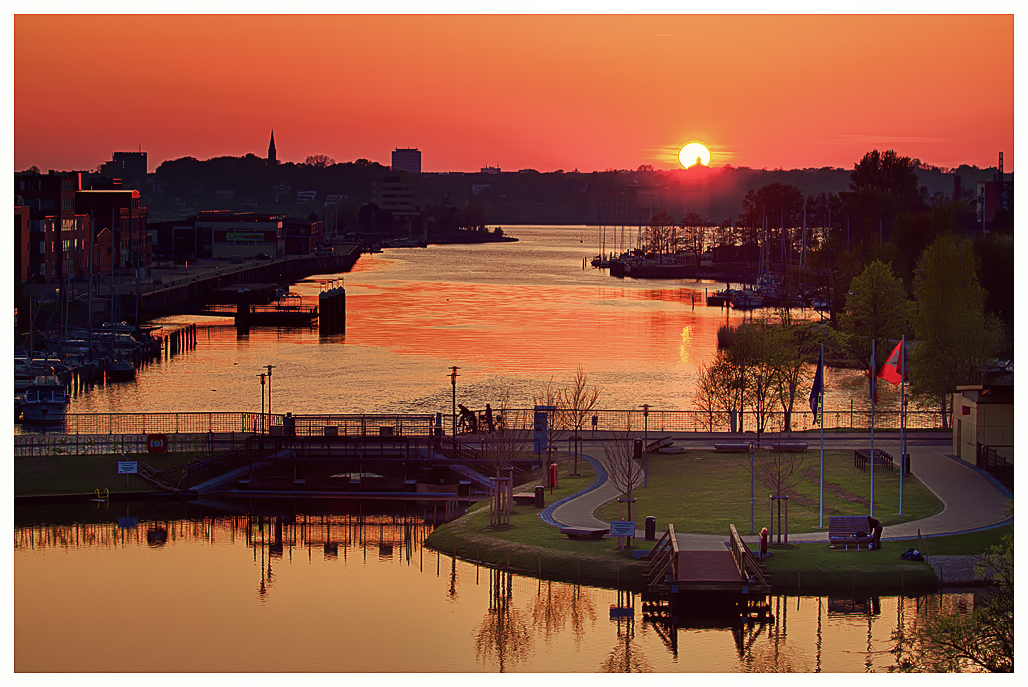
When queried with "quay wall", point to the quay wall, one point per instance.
{"points": [[285, 270]]}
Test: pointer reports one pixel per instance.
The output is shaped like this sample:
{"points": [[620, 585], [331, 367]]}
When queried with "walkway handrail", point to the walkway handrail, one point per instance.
{"points": [[663, 557], [747, 564]]}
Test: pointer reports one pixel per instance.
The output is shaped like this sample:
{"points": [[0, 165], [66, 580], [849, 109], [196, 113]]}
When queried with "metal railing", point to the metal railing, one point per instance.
{"points": [[703, 421], [990, 460]]}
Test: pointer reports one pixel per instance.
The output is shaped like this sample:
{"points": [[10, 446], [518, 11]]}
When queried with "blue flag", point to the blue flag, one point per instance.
{"points": [[819, 387]]}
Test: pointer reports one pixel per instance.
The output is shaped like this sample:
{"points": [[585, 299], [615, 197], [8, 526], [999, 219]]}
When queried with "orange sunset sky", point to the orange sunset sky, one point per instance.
{"points": [[525, 91]]}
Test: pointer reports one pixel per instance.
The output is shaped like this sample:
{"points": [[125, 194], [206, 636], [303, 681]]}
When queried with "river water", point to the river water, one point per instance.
{"points": [[512, 316], [96, 590]]}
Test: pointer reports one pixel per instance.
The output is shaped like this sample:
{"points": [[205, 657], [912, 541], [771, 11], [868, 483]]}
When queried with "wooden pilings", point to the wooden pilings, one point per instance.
{"points": [[332, 311]]}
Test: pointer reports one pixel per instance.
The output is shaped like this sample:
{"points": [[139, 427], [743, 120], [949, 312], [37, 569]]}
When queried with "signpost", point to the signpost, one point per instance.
{"points": [[127, 467], [624, 530]]}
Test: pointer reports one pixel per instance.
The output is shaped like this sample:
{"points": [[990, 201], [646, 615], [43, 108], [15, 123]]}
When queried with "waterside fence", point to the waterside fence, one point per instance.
{"points": [[107, 433]]}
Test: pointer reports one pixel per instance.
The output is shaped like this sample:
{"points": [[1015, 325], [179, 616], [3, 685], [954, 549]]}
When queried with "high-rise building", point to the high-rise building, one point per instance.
{"points": [[134, 164], [407, 160], [394, 195]]}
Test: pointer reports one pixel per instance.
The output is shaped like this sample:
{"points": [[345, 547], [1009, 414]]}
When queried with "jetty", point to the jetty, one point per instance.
{"points": [[682, 582]]}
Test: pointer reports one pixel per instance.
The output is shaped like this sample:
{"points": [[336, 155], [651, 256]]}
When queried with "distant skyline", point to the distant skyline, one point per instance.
{"points": [[546, 92]]}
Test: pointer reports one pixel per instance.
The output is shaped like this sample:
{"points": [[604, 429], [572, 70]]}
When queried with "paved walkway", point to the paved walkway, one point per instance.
{"points": [[972, 500]]}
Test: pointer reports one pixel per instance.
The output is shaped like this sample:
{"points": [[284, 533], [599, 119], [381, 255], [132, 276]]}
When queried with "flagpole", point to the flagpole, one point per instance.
{"points": [[903, 415], [821, 409], [873, 372]]}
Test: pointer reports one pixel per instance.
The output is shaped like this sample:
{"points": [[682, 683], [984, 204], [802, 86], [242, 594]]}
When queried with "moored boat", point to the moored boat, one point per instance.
{"points": [[46, 401], [746, 300]]}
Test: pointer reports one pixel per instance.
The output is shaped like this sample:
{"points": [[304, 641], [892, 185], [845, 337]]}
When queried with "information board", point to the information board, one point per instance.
{"points": [[128, 467], [622, 528]]}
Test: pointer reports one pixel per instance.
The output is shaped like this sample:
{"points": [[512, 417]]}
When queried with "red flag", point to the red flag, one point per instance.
{"points": [[892, 370]]}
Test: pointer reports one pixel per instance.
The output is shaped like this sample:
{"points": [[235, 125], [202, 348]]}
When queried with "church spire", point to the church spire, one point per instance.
{"points": [[272, 160]]}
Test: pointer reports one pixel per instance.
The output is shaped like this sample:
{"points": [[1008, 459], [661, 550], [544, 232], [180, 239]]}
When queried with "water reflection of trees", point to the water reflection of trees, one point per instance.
{"points": [[556, 604], [503, 636], [626, 656]]}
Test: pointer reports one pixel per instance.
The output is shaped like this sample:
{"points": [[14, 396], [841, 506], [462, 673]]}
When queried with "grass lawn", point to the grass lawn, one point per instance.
{"points": [[50, 475], [531, 546], [704, 492]]}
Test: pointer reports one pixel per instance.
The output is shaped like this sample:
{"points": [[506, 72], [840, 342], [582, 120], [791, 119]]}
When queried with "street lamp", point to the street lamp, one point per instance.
{"points": [[646, 441], [453, 383], [270, 368], [263, 418], [751, 487]]}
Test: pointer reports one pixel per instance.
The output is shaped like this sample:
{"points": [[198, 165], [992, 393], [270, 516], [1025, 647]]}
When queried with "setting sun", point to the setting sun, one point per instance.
{"points": [[693, 153]]}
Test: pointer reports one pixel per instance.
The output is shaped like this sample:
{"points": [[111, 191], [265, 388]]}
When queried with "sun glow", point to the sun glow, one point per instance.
{"points": [[694, 153]]}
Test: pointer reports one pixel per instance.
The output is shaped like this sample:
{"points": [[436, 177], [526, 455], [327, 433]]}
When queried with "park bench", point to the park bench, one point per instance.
{"points": [[848, 529], [788, 446], [734, 447], [583, 533], [526, 499]]}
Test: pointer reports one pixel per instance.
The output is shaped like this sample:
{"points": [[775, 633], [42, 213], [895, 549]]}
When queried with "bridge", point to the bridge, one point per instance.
{"points": [[680, 583]]}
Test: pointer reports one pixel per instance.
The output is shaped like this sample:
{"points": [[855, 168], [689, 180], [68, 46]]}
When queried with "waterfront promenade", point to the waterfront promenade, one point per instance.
{"points": [[971, 499]]}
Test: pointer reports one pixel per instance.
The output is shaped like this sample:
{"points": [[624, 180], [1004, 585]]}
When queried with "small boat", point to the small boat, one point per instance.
{"points": [[45, 401], [746, 300], [120, 370]]}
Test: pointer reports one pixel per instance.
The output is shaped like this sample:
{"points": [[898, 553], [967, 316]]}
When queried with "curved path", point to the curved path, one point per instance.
{"points": [[972, 500]]}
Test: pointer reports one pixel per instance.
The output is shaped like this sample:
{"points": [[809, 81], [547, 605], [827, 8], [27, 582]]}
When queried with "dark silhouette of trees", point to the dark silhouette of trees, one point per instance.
{"points": [[319, 161], [956, 339], [877, 311]]}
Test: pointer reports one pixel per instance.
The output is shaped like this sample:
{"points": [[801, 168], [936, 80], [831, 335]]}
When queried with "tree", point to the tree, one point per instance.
{"points": [[887, 172], [319, 161], [956, 340], [504, 445], [694, 234], [717, 389], [622, 469], [946, 640], [661, 234], [577, 400], [877, 310]]}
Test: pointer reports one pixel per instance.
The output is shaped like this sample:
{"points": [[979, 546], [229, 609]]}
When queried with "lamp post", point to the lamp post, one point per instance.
{"points": [[263, 418], [453, 383], [751, 486], [270, 368], [646, 440]]}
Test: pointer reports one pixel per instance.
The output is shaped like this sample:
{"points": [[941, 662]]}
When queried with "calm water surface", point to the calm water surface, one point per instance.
{"points": [[512, 316], [322, 593]]}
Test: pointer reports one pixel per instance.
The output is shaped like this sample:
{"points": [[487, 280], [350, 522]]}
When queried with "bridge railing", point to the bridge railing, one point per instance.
{"points": [[747, 564], [663, 557]]}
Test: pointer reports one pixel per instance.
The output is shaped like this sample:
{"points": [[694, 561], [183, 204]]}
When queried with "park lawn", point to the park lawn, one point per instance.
{"points": [[704, 492], [532, 546], [800, 568], [68, 474]]}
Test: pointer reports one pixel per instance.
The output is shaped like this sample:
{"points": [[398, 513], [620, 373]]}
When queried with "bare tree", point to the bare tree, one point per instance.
{"points": [[502, 447], [623, 470], [577, 400], [319, 161]]}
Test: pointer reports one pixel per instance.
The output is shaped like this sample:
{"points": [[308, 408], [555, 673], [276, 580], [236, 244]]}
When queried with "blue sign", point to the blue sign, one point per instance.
{"points": [[541, 414], [127, 523], [128, 467], [622, 528]]}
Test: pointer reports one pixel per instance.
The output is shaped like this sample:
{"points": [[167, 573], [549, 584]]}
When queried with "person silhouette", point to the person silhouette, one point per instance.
{"points": [[876, 532], [489, 417]]}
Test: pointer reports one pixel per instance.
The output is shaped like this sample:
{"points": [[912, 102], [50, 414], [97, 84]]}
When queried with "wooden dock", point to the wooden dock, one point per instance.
{"points": [[681, 582]]}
